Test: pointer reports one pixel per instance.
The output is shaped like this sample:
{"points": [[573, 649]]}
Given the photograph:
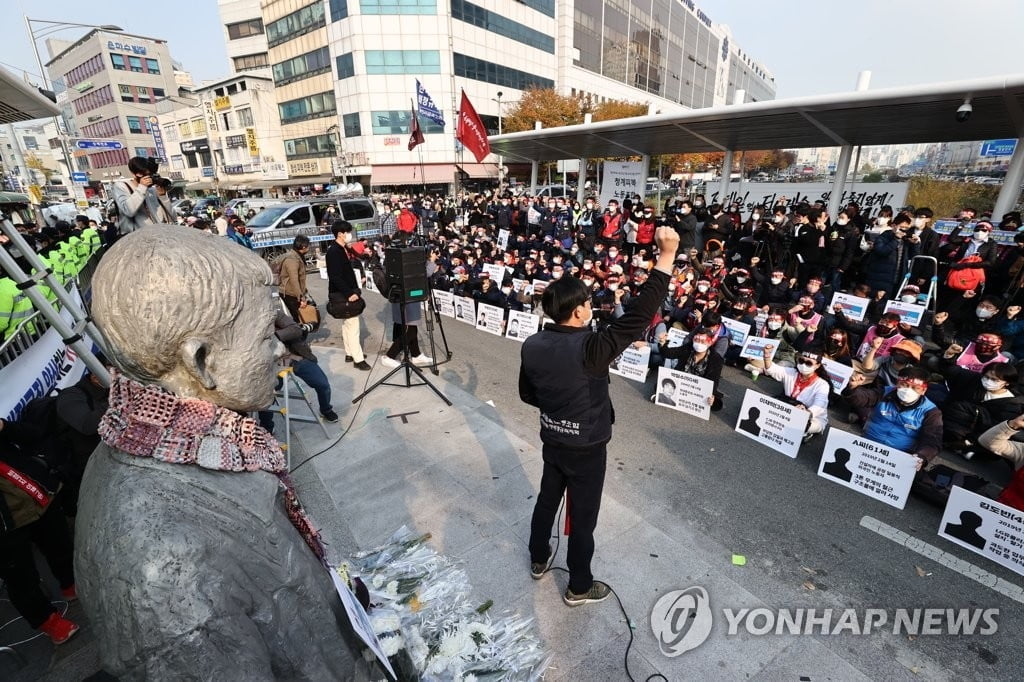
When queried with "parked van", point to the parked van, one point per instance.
{"points": [[282, 221]]}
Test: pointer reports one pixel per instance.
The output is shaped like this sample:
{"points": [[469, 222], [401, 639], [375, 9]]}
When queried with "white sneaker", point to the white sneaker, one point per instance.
{"points": [[422, 360], [388, 361]]}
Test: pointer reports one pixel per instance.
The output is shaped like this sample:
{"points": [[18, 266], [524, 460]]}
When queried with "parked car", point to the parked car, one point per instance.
{"points": [[203, 205], [183, 206]]}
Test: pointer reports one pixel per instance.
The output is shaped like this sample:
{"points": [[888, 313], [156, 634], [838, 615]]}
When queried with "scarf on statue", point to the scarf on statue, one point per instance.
{"points": [[145, 420]]}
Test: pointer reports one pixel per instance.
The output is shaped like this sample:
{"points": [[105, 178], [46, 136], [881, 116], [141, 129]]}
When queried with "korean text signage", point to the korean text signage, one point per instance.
{"points": [[772, 422], [126, 47], [621, 180], [985, 527], [870, 468], [222, 103], [871, 196], [158, 138], [193, 146], [632, 364], [684, 392], [250, 141], [998, 147]]}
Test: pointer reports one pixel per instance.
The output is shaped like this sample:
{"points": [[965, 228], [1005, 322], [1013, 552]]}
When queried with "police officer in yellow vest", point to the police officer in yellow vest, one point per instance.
{"points": [[15, 308]]}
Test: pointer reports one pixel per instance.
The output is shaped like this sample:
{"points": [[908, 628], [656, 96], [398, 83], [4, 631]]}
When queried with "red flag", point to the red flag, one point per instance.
{"points": [[471, 131], [417, 134]]}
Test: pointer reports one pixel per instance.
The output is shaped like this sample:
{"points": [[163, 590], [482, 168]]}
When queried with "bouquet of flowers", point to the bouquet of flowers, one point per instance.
{"points": [[421, 613]]}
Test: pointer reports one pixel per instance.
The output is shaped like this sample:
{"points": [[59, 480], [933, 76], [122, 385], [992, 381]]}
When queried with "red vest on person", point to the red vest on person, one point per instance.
{"points": [[812, 321], [1013, 494], [645, 232], [611, 226], [969, 360]]}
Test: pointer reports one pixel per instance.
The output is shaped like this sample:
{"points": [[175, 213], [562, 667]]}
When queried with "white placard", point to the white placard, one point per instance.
{"points": [[870, 468], [986, 527], [360, 621], [368, 282], [684, 392], [323, 273], [521, 326], [910, 313], [539, 285], [495, 272], [632, 364], [621, 180], [772, 422], [754, 346], [444, 303], [854, 307], [738, 331], [465, 310], [676, 337], [838, 374], [503, 235], [759, 321], [489, 318]]}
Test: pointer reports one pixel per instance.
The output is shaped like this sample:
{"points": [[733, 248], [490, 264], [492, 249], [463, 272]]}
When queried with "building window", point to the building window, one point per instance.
{"points": [[339, 9], [544, 6], [198, 126], [137, 125], [402, 61], [306, 147], [152, 66], [93, 100], [219, 92], [244, 29], [145, 151], [249, 62], [233, 89], [396, 122], [158, 92], [126, 93], [135, 64], [350, 122], [298, 23], [225, 120], [303, 66], [170, 133], [489, 72], [185, 129], [346, 69], [398, 6], [143, 93], [244, 117], [108, 128], [495, 23], [118, 61], [314, 106]]}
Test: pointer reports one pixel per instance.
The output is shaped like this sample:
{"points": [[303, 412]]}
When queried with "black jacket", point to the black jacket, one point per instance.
{"points": [[291, 335], [341, 278], [564, 371]]}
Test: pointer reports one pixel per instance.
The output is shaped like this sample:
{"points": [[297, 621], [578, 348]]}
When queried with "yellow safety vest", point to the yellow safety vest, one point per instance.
{"points": [[15, 308]]}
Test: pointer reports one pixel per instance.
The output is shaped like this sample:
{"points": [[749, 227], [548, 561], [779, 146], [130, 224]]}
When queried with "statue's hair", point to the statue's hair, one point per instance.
{"points": [[160, 285]]}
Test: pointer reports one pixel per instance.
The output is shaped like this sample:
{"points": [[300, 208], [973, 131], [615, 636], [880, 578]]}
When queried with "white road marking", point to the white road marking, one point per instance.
{"points": [[943, 558]]}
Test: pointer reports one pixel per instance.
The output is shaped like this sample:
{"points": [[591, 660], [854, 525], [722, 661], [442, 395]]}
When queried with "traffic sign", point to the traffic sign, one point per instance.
{"points": [[98, 144], [80, 177], [998, 147]]}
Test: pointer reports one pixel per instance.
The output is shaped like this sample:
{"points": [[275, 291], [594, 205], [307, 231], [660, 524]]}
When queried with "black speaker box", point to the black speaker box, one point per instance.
{"points": [[406, 273]]}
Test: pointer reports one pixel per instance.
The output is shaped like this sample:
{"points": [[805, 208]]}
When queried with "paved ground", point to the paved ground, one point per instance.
{"points": [[681, 497]]}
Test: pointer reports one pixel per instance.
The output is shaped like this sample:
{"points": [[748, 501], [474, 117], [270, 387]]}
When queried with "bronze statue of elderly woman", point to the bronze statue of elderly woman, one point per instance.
{"points": [[194, 558]]}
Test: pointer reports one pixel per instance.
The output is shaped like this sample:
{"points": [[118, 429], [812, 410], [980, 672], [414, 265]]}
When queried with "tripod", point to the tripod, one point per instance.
{"points": [[407, 363]]}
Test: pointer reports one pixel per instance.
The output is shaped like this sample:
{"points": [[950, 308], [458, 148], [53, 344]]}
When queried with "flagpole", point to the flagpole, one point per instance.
{"points": [[416, 113]]}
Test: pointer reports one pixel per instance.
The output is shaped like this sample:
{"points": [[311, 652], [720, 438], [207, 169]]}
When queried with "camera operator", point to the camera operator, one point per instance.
{"points": [[137, 204]]}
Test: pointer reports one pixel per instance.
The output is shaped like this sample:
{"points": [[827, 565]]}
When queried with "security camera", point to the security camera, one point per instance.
{"points": [[964, 112]]}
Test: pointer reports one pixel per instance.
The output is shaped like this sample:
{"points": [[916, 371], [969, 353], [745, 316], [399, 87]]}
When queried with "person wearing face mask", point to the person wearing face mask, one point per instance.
{"points": [[905, 419], [928, 239], [976, 403], [881, 264], [874, 374], [718, 226], [740, 310], [775, 328], [975, 254], [731, 284], [611, 229], [136, 200], [812, 245], [699, 357], [772, 290], [887, 329], [813, 290], [803, 387], [979, 354], [1000, 441], [586, 224], [805, 320], [883, 220], [342, 283], [965, 320], [564, 373]]}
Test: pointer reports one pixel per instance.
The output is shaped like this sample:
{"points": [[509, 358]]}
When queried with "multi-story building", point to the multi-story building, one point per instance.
{"points": [[346, 71], [112, 82], [40, 147], [228, 140]]}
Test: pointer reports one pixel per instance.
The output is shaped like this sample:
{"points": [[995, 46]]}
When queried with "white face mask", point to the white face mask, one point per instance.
{"points": [[613, 287], [983, 313], [909, 298], [506, 290], [776, 280], [588, 283], [702, 288], [613, 254], [842, 221], [699, 347], [907, 395], [741, 280], [755, 217], [883, 221], [698, 203], [556, 275], [991, 384], [778, 219], [804, 369], [685, 210], [981, 236], [920, 222], [775, 325]]}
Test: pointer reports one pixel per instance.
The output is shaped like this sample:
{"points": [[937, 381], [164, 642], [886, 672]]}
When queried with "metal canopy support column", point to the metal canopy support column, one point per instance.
{"points": [[843, 164], [1010, 191], [645, 163], [581, 180], [534, 172], [737, 98]]}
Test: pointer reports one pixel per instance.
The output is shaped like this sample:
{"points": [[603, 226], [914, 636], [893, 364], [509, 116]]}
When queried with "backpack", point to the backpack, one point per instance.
{"points": [[967, 279], [934, 485]]}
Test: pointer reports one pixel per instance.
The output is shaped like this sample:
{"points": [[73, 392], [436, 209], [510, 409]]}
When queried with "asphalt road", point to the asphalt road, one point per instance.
{"points": [[802, 535]]}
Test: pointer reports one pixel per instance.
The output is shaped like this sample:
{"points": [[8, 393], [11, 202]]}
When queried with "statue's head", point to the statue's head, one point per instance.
{"points": [[192, 313]]}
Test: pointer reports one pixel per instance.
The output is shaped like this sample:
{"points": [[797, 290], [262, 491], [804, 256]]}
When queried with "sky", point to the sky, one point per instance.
{"points": [[811, 46]]}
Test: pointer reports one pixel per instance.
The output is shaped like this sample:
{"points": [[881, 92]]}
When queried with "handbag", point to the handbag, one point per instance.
{"points": [[339, 307], [310, 314]]}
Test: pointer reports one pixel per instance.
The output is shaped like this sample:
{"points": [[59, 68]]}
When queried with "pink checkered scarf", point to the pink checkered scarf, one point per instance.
{"points": [[145, 420]]}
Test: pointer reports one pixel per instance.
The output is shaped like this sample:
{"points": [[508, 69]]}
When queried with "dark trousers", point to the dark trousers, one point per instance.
{"points": [[310, 372], [410, 334], [582, 473], [292, 304], [18, 568]]}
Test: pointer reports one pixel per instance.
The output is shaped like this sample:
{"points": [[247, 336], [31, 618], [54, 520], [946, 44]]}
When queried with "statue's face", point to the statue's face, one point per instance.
{"points": [[244, 360]]}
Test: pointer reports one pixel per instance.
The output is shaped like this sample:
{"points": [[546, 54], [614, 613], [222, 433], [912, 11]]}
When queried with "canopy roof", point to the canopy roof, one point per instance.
{"points": [[21, 102], [904, 115]]}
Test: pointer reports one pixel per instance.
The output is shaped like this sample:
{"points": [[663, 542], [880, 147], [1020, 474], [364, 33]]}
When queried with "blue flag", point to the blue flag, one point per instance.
{"points": [[426, 105]]}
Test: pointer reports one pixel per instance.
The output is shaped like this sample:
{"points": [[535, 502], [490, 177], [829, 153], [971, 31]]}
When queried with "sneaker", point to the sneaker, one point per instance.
{"points": [[329, 416], [363, 366], [537, 570], [969, 455], [58, 628], [348, 358], [389, 361], [422, 360], [69, 593], [597, 592]]}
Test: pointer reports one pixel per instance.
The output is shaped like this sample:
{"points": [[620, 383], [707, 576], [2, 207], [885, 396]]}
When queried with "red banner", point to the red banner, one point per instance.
{"points": [[417, 135], [471, 131]]}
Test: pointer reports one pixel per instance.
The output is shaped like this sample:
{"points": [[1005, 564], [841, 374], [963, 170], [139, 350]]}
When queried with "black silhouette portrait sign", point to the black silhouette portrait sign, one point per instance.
{"points": [[772, 422], [986, 527], [870, 468]]}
